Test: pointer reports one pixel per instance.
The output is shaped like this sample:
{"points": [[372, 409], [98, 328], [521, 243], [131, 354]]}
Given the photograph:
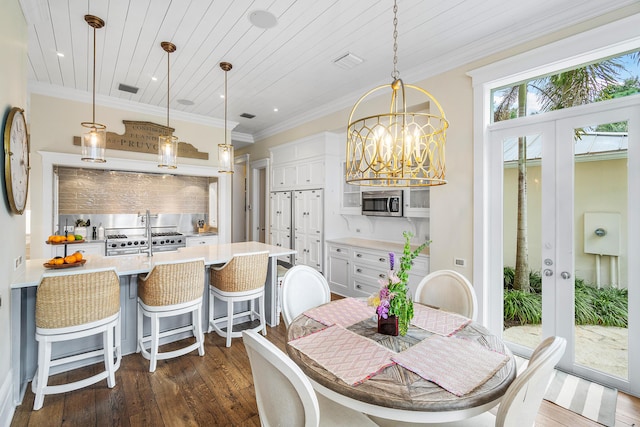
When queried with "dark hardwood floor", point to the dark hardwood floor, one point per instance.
{"points": [[214, 390]]}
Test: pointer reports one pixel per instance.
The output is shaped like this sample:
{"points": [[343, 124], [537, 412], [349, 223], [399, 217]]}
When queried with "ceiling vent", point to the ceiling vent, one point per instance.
{"points": [[247, 115], [348, 61], [126, 88]]}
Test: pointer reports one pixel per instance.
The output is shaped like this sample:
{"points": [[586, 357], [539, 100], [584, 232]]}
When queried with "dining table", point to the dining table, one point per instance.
{"points": [[446, 368]]}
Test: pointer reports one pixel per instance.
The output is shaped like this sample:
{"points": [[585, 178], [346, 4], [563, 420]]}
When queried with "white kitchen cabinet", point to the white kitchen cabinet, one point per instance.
{"points": [[280, 224], [350, 198], [417, 202], [308, 208], [201, 240], [96, 248], [356, 270], [301, 174], [284, 177]]}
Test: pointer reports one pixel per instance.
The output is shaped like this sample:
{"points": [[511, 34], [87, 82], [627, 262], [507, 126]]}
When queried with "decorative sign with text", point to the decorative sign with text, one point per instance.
{"points": [[142, 137]]}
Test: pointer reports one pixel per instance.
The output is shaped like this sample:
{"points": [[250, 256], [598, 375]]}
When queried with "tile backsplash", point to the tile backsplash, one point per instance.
{"points": [[95, 191]]}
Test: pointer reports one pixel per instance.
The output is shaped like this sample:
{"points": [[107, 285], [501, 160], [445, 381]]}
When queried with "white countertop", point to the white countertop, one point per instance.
{"points": [[126, 265], [379, 245]]}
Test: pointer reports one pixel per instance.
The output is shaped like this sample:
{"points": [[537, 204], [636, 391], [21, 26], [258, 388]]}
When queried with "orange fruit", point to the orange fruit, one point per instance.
{"points": [[51, 238], [59, 261], [78, 256], [71, 238], [70, 259], [58, 239]]}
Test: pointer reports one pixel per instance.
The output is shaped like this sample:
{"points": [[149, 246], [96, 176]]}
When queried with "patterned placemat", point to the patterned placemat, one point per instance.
{"points": [[348, 356], [438, 321], [445, 361], [344, 312]]}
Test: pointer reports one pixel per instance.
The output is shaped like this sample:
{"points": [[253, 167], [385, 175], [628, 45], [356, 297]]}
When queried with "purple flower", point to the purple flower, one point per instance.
{"points": [[391, 260]]}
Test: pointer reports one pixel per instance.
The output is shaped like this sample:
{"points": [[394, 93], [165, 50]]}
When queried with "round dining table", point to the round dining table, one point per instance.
{"points": [[397, 393]]}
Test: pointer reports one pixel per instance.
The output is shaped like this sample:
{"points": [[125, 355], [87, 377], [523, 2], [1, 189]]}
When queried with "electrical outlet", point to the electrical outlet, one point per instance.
{"points": [[17, 262], [357, 230], [459, 262]]}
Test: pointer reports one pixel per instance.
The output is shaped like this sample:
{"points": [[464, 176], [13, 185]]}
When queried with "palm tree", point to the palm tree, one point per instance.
{"points": [[566, 89]]}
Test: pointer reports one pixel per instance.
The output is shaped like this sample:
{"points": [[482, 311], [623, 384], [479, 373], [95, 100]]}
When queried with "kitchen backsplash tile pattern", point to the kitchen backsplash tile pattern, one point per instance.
{"points": [[93, 191]]}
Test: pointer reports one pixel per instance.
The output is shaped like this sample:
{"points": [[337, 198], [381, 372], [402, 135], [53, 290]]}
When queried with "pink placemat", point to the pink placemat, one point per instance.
{"points": [[348, 356], [344, 312], [437, 321], [455, 364]]}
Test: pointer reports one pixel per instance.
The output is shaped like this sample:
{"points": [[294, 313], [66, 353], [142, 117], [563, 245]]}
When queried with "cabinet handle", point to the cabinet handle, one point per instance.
{"points": [[358, 286], [382, 259], [359, 255], [381, 275], [338, 250], [358, 270]]}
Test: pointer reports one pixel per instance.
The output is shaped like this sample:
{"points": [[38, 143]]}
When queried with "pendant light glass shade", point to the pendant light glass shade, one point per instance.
{"points": [[397, 148], [168, 144], [94, 140], [225, 150]]}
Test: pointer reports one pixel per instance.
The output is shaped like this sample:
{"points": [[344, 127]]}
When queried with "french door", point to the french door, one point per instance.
{"points": [[579, 233]]}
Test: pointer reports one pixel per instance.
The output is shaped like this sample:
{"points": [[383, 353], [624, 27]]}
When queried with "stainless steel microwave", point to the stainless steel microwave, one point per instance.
{"points": [[382, 203]]}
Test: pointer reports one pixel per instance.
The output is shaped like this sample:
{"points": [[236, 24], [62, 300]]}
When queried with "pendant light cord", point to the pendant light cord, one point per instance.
{"points": [[225, 106], [94, 76], [168, 80], [396, 74]]}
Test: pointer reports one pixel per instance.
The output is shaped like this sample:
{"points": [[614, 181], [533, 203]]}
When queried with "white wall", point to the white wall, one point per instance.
{"points": [[13, 93]]}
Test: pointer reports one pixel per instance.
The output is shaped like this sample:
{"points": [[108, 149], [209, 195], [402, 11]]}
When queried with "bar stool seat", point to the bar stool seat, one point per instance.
{"points": [[170, 289], [72, 305], [241, 279]]}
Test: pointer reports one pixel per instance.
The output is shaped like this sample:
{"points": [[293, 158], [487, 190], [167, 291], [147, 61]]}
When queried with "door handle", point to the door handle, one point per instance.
{"points": [[548, 272], [565, 275]]}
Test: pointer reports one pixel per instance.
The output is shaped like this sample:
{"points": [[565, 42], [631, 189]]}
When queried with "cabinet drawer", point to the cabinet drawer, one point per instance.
{"points": [[420, 265], [376, 259], [340, 251], [363, 288], [368, 273]]}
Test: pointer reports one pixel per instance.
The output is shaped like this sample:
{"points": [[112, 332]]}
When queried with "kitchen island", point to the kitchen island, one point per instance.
{"points": [[23, 291]]}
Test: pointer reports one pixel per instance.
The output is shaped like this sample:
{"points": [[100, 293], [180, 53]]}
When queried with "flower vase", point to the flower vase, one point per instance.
{"points": [[388, 326]]}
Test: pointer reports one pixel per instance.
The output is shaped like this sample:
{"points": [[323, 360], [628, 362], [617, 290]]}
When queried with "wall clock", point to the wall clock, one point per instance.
{"points": [[16, 159]]}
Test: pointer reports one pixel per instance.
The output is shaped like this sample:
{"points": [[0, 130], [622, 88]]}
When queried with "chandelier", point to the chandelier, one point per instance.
{"points": [[168, 144], [397, 148], [225, 150], [94, 141]]}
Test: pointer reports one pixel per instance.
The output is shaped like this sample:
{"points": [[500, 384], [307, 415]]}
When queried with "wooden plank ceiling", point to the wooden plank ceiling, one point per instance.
{"points": [[289, 66]]}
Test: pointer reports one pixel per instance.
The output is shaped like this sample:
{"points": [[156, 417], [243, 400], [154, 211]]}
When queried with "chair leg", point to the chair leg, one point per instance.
{"points": [[263, 321], [155, 342], [140, 329], [252, 310], [212, 301], [196, 318], [229, 321], [107, 342], [42, 373]]}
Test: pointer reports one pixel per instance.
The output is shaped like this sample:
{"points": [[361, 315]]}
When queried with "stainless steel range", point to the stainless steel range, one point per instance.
{"points": [[135, 241]]}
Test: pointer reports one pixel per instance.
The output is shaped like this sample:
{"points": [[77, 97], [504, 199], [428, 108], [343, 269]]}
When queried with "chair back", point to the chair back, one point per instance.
{"points": [[450, 291], [302, 288], [284, 395], [522, 400], [245, 272], [170, 283], [70, 299]]}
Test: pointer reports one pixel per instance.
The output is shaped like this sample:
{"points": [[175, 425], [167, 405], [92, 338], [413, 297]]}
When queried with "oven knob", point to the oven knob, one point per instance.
{"points": [[142, 242], [135, 242], [129, 243], [162, 242], [113, 245], [172, 241], [123, 244], [154, 242]]}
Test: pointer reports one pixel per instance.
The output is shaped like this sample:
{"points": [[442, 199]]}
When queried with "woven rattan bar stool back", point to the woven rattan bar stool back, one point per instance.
{"points": [[70, 306], [170, 289], [241, 279]]}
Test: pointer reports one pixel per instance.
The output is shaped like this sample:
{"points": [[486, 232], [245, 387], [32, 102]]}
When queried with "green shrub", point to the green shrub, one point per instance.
{"points": [[522, 307], [611, 307]]}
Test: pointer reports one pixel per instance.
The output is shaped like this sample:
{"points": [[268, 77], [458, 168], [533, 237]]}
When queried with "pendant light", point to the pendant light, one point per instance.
{"points": [[94, 141], [225, 150], [397, 148], [168, 143]]}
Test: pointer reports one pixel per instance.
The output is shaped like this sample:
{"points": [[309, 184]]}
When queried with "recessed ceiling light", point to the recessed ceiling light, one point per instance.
{"points": [[155, 79], [185, 102], [60, 54], [263, 19], [275, 109], [221, 96]]}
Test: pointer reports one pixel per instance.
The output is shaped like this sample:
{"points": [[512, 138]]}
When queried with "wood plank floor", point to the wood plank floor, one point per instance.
{"points": [[214, 390]]}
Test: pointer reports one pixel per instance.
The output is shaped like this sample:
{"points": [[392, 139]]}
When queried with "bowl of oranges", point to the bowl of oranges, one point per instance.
{"points": [[74, 260], [56, 239]]}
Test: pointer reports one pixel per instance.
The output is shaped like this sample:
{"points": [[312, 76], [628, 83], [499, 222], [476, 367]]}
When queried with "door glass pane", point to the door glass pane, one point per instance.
{"points": [[522, 181], [600, 215]]}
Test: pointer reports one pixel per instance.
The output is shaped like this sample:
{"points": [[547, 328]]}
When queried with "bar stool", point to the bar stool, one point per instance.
{"points": [[241, 279], [71, 305], [170, 289]]}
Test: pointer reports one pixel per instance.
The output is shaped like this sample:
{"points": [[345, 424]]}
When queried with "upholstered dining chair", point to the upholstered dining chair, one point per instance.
{"points": [[71, 305], [302, 288], [241, 279], [285, 396], [170, 289], [450, 291], [521, 402]]}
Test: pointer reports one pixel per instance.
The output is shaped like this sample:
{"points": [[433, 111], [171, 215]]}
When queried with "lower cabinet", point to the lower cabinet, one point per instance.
{"points": [[84, 248], [355, 271], [201, 240]]}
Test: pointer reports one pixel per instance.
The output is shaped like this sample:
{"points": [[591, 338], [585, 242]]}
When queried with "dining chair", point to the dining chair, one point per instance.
{"points": [[448, 290], [285, 396], [71, 305], [170, 289], [521, 402], [241, 279], [302, 288]]}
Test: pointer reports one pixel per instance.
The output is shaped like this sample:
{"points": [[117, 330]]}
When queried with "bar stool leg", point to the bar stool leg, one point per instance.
{"points": [[229, 321], [140, 329], [155, 341], [107, 340], [212, 300], [262, 316], [42, 375]]}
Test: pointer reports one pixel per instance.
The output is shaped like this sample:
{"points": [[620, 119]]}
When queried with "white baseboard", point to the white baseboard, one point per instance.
{"points": [[7, 408]]}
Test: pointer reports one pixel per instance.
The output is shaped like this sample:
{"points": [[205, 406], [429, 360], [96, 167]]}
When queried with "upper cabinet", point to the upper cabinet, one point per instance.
{"points": [[416, 202], [350, 200]]}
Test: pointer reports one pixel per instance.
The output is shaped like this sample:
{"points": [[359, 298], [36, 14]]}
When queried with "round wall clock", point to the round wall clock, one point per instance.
{"points": [[16, 159]]}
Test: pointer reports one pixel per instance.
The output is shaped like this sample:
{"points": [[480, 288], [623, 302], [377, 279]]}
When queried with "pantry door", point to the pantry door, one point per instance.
{"points": [[582, 169]]}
